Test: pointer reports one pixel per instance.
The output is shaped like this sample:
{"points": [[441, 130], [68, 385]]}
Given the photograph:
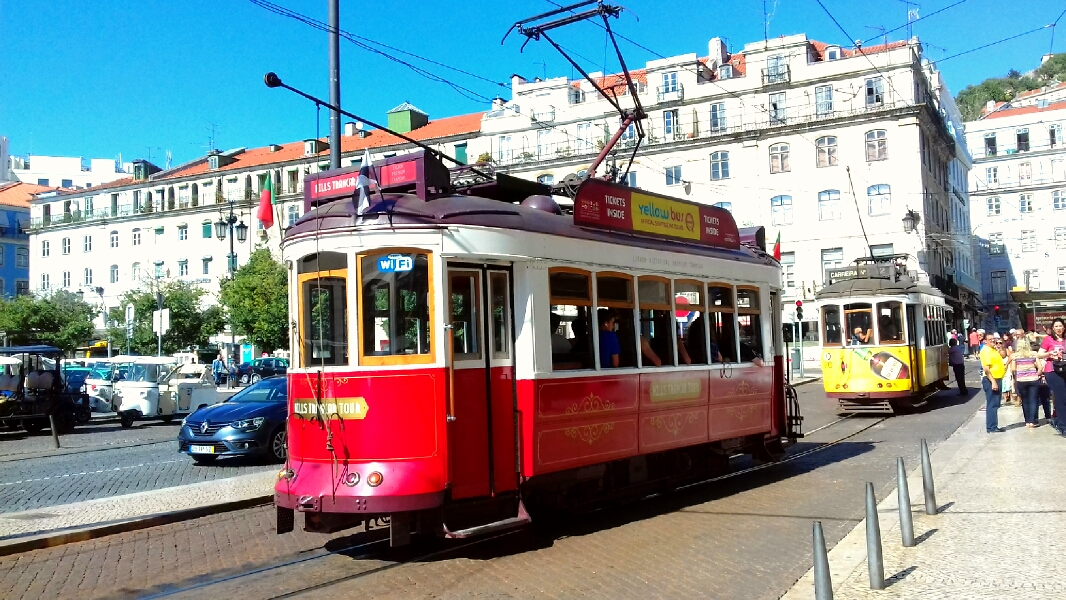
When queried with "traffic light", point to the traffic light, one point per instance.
{"points": [[997, 311], [799, 310]]}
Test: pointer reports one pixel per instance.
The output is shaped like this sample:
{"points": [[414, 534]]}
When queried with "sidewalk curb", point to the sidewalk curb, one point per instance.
{"points": [[811, 380], [91, 532]]}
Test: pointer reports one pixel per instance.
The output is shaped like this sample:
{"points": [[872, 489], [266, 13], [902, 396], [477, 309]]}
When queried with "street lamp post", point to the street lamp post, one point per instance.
{"points": [[239, 232]]}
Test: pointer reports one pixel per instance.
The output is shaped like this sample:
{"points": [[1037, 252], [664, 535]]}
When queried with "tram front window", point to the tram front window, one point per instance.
{"points": [[748, 316], [890, 322], [859, 321], [831, 325], [323, 309], [395, 304]]}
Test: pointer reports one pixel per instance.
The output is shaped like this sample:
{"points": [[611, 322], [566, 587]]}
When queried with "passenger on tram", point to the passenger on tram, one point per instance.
{"points": [[610, 349], [650, 357], [859, 338]]}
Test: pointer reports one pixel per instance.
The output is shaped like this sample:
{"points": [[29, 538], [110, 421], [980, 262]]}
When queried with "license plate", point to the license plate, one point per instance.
{"points": [[202, 449]]}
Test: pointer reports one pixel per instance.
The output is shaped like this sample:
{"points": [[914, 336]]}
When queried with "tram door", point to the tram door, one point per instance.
{"points": [[481, 440], [915, 348]]}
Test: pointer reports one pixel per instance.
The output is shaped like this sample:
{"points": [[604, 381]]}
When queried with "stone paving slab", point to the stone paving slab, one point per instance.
{"points": [[1000, 532], [15, 526]]}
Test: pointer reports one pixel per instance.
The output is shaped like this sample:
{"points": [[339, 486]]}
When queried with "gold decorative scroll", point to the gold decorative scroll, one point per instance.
{"points": [[589, 434], [592, 403], [674, 423]]}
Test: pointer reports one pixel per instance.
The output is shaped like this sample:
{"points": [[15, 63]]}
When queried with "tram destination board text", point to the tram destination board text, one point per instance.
{"points": [[604, 205]]}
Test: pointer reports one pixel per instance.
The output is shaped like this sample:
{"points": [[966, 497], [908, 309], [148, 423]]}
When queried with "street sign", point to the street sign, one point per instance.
{"points": [[161, 321], [129, 312]]}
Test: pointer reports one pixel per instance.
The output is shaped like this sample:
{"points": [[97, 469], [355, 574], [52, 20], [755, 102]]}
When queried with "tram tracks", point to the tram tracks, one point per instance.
{"points": [[371, 550]]}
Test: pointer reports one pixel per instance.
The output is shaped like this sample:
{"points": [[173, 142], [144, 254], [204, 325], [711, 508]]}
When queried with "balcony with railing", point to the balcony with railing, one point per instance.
{"points": [[18, 232], [542, 116], [776, 74], [670, 93]]}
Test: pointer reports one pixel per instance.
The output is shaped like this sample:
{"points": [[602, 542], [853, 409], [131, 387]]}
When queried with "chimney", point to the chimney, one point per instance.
{"points": [[718, 54], [1045, 58], [275, 147], [498, 103], [349, 129], [990, 106]]}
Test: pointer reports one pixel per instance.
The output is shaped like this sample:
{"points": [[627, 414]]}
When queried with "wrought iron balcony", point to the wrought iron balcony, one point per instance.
{"points": [[669, 93]]}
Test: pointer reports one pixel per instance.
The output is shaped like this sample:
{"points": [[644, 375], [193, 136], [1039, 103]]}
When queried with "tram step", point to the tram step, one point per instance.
{"points": [[518, 521]]}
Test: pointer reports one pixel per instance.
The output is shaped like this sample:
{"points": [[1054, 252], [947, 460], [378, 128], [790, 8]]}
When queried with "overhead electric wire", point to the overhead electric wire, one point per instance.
{"points": [[997, 42], [935, 12]]}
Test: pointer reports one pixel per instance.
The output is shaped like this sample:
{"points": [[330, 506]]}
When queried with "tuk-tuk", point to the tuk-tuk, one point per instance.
{"points": [[158, 387], [99, 384], [32, 390]]}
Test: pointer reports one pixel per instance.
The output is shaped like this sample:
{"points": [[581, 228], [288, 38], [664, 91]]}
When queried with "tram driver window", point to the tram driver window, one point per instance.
{"points": [[750, 325], [723, 324], [890, 322], [323, 327], [859, 320], [831, 325], [616, 293], [570, 320], [656, 323], [395, 304], [464, 313]]}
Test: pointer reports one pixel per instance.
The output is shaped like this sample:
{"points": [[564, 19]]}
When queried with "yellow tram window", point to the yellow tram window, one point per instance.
{"points": [[571, 319], [750, 324], [831, 330], [890, 322], [323, 324], [395, 304], [656, 341], [858, 319], [614, 297], [691, 330], [722, 322]]}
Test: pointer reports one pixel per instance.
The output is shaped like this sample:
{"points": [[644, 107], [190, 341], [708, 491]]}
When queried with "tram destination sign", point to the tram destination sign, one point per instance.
{"points": [[860, 272], [605, 205]]}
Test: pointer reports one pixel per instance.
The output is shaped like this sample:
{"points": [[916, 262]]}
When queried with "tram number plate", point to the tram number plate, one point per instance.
{"points": [[202, 449]]}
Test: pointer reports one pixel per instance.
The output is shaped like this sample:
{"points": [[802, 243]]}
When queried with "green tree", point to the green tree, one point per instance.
{"points": [[972, 99], [257, 302], [190, 323], [60, 319]]}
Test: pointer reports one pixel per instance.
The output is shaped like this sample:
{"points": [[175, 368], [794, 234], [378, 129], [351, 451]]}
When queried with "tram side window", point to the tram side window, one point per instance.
{"points": [[858, 319], [464, 314], [831, 325], [723, 323], [656, 339], [571, 320], [692, 329], [323, 309], [395, 304], [615, 292], [750, 325], [890, 322]]}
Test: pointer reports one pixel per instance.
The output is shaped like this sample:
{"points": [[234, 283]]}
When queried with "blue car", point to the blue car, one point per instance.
{"points": [[250, 422]]}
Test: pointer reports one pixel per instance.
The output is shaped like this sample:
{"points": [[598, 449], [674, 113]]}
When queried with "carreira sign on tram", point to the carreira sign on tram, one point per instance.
{"points": [[613, 206]]}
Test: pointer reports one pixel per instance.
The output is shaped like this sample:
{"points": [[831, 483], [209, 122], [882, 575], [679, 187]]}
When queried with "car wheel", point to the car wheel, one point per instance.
{"points": [[126, 420], [85, 414], [278, 443], [204, 459], [256, 378], [244, 379]]}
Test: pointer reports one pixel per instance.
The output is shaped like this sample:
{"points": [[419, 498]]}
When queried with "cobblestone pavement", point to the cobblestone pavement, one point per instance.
{"points": [[1000, 531], [744, 537]]}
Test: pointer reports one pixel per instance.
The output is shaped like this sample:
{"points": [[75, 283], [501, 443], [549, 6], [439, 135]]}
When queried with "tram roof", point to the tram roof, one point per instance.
{"points": [[876, 286], [400, 210]]}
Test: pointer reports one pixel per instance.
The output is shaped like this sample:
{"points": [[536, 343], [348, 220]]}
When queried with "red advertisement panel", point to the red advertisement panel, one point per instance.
{"points": [[605, 205]]}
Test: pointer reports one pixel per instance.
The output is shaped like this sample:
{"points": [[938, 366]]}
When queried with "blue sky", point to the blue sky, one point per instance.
{"points": [[106, 77]]}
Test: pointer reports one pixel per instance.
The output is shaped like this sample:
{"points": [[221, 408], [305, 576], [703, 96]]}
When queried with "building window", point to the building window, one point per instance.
{"points": [[990, 144], [584, 136], [788, 269], [67, 183], [781, 207], [65, 245], [725, 72], [718, 121], [670, 81], [183, 232], [829, 205], [779, 158], [823, 98], [543, 146], [22, 257], [183, 268], [87, 243], [719, 165], [1025, 173], [135, 271], [1028, 240], [22, 287], [503, 148], [136, 237], [991, 175], [826, 148], [880, 199], [832, 52], [776, 69], [46, 248], [158, 269], [1022, 139], [1054, 135], [995, 244], [113, 239], [88, 277], [630, 179], [876, 145], [993, 205], [114, 273], [46, 282], [1058, 199], [671, 127], [545, 179], [875, 92], [1060, 238], [1025, 203], [66, 279], [881, 250], [999, 283], [777, 109], [207, 266], [673, 175], [42, 182], [292, 213], [205, 230], [832, 258]]}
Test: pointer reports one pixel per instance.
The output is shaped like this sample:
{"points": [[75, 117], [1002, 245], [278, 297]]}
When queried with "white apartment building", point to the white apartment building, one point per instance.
{"points": [[1018, 187], [67, 172], [829, 147], [158, 225]]}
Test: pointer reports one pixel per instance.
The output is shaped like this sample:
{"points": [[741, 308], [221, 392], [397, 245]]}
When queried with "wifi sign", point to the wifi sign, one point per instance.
{"points": [[395, 263]]}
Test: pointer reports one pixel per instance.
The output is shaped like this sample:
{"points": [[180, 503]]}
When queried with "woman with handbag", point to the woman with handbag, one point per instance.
{"points": [[1053, 350], [1027, 381]]}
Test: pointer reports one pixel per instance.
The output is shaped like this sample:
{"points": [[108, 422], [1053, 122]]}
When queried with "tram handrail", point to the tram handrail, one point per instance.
{"points": [[451, 373]]}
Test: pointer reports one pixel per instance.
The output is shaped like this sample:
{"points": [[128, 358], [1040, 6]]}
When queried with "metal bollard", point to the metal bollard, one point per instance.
{"points": [[823, 584], [903, 497], [55, 434], [927, 481], [873, 542]]}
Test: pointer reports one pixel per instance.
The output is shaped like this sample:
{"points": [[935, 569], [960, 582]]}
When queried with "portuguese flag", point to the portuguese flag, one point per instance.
{"points": [[266, 201], [777, 248]]}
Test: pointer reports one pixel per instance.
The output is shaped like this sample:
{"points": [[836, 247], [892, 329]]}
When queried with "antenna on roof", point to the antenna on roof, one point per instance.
{"points": [[210, 146], [880, 28]]}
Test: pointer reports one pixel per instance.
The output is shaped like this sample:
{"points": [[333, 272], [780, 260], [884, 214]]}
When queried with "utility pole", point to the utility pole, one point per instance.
{"points": [[334, 85]]}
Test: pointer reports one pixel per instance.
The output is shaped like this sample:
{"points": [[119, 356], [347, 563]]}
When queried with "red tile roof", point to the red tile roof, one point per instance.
{"points": [[19, 194], [1047, 88], [1024, 110], [819, 49]]}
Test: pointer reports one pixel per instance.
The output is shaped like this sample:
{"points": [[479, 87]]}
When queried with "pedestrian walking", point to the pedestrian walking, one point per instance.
{"points": [[216, 369], [956, 359], [975, 340], [1025, 365], [232, 379], [993, 369], [1052, 350]]}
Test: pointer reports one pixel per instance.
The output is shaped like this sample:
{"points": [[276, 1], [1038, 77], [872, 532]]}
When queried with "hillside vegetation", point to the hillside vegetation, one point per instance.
{"points": [[1002, 89]]}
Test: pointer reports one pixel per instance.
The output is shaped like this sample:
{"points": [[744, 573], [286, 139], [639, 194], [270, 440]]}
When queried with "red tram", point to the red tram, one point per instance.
{"points": [[450, 350]]}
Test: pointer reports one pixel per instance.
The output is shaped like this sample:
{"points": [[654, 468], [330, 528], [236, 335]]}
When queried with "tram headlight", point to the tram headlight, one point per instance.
{"points": [[374, 479], [287, 474], [351, 479]]}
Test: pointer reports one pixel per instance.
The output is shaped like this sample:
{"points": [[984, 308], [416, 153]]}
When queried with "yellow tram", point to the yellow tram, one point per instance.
{"points": [[884, 337]]}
